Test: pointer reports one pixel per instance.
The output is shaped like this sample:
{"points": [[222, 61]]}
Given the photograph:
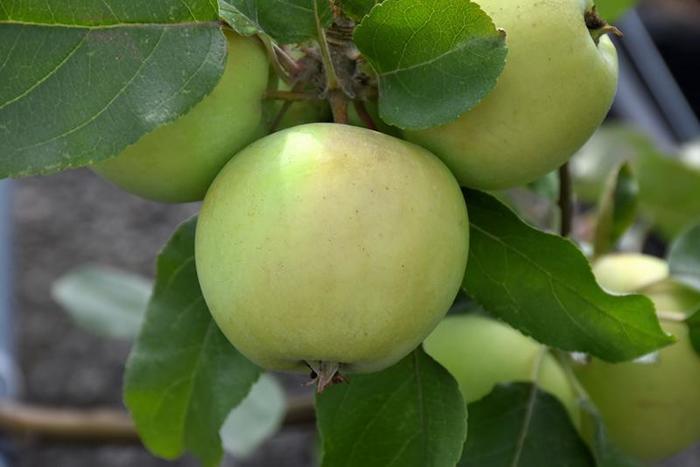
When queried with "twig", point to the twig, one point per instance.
{"points": [[566, 200], [103, 424], [336, 96], [366, 118], [290, 95]]}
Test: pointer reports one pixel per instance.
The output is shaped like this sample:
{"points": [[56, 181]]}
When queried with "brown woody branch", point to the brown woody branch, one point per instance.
{"points": [[102, 425]]}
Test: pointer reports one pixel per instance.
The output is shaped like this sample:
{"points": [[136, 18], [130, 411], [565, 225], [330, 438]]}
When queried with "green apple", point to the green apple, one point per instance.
{"points": [[331, 245], [178, 161], [481, 352], [651, 406], [557, 86]]}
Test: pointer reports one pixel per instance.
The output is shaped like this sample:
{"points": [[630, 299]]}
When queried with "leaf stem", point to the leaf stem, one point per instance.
{"points": [[566, 200]]}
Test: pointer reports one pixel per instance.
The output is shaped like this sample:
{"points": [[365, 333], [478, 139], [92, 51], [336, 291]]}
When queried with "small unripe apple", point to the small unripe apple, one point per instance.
{"points": [[178, 161], [481, 352], [328, 244], [557, 86], [651, 407]]}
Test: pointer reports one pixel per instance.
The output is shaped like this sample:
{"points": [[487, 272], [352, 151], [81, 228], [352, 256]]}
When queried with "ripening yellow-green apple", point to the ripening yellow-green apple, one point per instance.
{"points": [[178, 161], [638, 273], [558, 84], [331, 246], [481, 352], [651, 406]]}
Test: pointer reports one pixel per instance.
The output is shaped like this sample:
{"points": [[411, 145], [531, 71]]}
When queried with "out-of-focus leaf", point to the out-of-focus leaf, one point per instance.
{"points": [[617, 209], [592, 166], [104, 300], [694, 330], [255, 419], [684, 258]]}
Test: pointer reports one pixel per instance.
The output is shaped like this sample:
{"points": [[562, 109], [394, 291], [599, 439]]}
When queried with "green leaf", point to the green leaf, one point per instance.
{"points": [[435, 59], [519, 425], [669, 191], [285, 21], [684, 258], [82, 81], [104, 300], [669, 185], [358, 9], [543, 285], [255, 419], [183, 377], [610, 146], [617, 209], [410, 415], [612, 10], [546, 186], [694, 330], [606, 453]]}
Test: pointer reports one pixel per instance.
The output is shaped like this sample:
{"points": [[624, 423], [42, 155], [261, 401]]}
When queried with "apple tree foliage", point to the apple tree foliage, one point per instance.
{"points": [[80, 81]]}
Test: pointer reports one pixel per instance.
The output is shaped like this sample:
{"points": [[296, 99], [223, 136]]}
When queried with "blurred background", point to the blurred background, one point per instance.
{"points": [[58, 223]]}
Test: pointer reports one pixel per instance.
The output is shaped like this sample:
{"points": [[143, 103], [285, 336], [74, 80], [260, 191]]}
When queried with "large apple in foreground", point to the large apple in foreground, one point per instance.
{"points": [[178, 161], [331, 245], [650, 407], [481, 352], [556, 88]]}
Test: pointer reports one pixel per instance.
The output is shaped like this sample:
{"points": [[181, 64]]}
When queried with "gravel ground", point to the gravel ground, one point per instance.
{"points": [[64, 221]]}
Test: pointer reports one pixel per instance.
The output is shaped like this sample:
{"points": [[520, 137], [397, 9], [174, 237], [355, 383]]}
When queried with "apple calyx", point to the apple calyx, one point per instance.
{"points": [[324, 375], [598, 26]]}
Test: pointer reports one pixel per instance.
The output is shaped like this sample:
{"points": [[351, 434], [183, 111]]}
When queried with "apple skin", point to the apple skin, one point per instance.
{"points": [[652, 409], [177, 162], [555, 90], [481, 352], [331, 243]]}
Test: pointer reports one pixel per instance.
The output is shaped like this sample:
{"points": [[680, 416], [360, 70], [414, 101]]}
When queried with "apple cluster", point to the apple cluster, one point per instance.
{"points": [[335, 248]]}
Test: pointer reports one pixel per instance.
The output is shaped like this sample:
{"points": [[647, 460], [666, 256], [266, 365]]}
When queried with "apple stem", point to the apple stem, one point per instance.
{"points": [[598, 27]]}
